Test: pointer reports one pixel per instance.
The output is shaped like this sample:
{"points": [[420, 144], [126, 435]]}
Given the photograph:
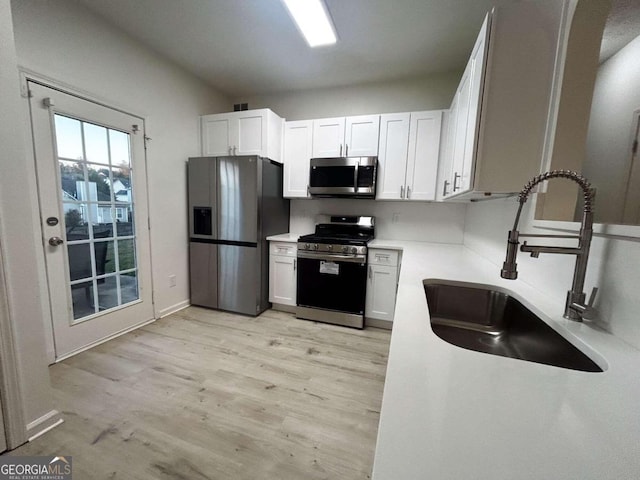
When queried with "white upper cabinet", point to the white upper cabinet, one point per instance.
{"points": [[466, 117], [298, 137], [328, 137], [408, 155], [497, 131], [346, 136], [424, 150], [361, 136], [392, 155], [249, 132]]}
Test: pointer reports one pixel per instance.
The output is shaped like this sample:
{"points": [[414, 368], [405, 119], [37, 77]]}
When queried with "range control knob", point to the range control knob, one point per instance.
{"points": [[314, 246], [354, 249], [307, 246], [345, 249], [330, 247]]}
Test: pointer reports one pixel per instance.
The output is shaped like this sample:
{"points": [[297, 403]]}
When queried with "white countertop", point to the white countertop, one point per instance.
{"points": [[451, 413], [285, 237]]}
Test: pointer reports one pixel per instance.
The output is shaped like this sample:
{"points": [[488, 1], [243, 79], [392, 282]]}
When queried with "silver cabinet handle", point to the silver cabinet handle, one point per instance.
{"points": [[456, 176], [346, 150], [370, 274], [408, 191], [401, 191], [230, 150], [55, 241], [234, 150], [340, 150], [295, 264], [444, 190]]}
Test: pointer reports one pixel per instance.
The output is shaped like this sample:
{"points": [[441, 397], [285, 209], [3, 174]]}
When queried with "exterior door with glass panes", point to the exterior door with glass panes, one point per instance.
{"points": [[93, 203]]}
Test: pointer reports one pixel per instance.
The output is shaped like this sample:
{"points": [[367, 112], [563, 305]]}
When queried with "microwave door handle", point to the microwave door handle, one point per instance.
{"points": [[355, 178]]}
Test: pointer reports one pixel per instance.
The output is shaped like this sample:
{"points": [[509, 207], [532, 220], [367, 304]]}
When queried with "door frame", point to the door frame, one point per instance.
{"points": [[26, 76], [10, 389]]}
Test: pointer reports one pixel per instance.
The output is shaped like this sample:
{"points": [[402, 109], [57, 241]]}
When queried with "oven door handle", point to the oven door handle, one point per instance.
{"points": [[334, 258]]}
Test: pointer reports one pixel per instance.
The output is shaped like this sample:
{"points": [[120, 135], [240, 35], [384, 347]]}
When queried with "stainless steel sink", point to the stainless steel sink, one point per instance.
{"points": [[476, 317]]}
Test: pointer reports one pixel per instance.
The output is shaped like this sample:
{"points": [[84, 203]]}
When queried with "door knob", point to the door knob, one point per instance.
{"points": [[55, 241]]}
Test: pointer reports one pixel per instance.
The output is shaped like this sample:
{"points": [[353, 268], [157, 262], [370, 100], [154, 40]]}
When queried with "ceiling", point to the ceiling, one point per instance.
{"points": [[252, 47]]}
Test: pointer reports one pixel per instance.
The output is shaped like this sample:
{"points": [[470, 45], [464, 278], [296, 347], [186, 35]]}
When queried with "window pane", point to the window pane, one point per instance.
{"points": [[82, 296], [68, 137], [127, 254], [107, 293], [99, 184], [124, 227], [95, 143], [104, 256], [129, 287], [119, 143], [76, 221], [104, 229], [72, 181], [79, 261], [122, 184]]}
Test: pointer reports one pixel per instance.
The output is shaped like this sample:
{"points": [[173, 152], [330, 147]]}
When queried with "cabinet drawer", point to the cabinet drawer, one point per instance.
{"points": [[283, 248], [383, 257]]}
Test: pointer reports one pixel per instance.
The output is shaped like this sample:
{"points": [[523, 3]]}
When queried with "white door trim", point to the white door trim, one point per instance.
{"points": [[10, 390]]}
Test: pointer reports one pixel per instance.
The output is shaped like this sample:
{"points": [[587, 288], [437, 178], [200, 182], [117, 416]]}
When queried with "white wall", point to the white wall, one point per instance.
{"points": [[19, 241], [414, 220], [433, 92], [64, 41], [613, 265], [615, 98], [420, 221]]}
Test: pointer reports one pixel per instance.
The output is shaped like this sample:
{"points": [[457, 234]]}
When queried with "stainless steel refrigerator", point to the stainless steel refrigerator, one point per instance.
{"points": [[234, 204]]}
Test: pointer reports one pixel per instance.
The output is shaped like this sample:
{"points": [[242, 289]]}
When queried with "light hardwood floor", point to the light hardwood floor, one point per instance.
{"points": [[210, 395]]}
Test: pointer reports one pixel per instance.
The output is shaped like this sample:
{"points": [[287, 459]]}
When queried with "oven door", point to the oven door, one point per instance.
{"points": [[332, 283]]}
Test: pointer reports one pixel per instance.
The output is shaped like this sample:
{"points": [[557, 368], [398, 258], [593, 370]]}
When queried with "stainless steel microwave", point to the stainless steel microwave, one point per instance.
{"points": [[353, 177]]}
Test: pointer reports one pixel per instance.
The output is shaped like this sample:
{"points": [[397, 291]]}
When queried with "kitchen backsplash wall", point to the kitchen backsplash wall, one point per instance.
{"points": [[613, 265], [420, 221]]}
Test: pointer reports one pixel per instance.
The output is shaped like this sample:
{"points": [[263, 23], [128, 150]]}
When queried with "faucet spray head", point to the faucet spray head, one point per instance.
{"points": [[510, 267]]}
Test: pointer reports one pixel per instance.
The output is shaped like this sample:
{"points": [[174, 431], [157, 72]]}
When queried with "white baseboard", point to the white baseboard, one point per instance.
{"points": [[43, 424], [174, 308], [105, 339], [283, 308], [374, 322]]}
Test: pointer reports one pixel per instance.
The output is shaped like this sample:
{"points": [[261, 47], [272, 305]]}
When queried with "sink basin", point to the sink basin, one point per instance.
{"points": [[476, 317]]}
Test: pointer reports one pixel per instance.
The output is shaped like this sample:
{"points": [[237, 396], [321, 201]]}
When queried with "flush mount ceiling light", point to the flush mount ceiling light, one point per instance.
{"points": [[313, 21]]}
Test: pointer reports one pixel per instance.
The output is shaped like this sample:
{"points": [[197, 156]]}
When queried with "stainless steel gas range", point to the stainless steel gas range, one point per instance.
{"points": [[332, 271]]}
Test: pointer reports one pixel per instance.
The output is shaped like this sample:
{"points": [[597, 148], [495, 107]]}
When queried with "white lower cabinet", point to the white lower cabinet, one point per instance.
{"points": [[282, 273], [382, 285]]}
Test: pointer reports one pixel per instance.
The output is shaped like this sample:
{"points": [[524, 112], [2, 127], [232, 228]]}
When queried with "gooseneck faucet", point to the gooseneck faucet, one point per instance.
{"points": [[575, 306]]}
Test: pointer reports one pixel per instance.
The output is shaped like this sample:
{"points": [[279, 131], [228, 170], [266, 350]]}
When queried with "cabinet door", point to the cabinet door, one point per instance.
{"points": [[249, 133], [328, 137], [282, 280], [476, 67], [297, 154], [361, 136], [422, 159], [392, 158], [460, 139], [216, 135], [445, 166], [381, 292]]}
